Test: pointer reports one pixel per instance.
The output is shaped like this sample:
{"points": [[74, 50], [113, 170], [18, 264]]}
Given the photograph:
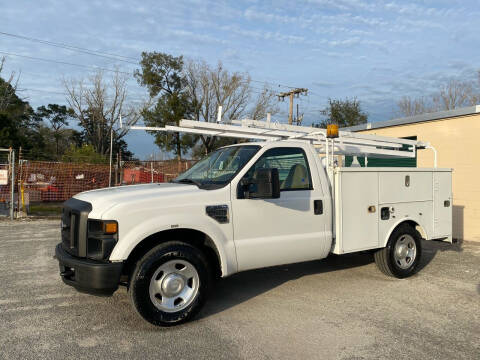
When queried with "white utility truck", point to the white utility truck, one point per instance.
{"points": [[280, 200]]}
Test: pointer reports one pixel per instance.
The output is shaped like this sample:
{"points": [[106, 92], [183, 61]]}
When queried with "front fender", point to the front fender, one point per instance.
{"points": [[220, 234]]}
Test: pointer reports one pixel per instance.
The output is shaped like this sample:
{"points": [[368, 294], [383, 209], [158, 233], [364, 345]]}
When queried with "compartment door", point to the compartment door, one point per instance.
{"points": [[359, 210], [442, 203]]}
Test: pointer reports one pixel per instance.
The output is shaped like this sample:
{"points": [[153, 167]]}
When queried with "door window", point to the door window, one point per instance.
{"points": [[292, 166]]}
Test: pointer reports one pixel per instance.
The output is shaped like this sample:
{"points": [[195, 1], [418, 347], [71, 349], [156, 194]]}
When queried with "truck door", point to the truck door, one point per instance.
{"points": [[290, 229]]}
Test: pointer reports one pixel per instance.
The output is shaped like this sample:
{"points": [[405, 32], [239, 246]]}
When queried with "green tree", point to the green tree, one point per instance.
{"points": [[343, 113], [57, 117], [162, 75], [18, 128], [84, 154], [89, 136]]}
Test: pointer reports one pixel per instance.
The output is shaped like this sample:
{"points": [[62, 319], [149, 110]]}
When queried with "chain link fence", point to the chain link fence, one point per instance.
{"points": [[6, 188], [43, 182]]}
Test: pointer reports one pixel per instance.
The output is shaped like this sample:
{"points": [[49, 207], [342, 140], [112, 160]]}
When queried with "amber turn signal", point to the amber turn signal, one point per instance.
{"points": [[332, 130], [110, 227]]}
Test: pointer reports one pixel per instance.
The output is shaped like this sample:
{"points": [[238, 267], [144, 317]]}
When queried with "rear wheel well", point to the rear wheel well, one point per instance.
{"points": [[195, 238], [415, 226]]}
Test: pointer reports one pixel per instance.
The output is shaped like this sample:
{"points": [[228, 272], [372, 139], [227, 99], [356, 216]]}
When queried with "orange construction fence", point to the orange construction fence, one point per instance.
{"points": [[58, 181]]}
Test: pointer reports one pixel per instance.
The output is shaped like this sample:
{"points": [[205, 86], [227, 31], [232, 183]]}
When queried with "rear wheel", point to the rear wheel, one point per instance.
{"points": [[402, 255], [170, 283]]}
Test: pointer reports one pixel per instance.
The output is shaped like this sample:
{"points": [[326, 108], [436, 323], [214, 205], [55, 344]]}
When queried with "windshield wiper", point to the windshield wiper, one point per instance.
{"points": [[189, 181]]}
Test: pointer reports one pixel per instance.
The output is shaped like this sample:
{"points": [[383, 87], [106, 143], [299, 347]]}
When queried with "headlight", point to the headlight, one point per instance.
{"points": [[102, 237]]}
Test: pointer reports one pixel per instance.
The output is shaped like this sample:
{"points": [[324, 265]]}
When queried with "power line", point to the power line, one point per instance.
{"points": [[275, 84], [253, 89], [258, 90], [131, 98], [75, 48], [42, 90], [123, 58], [64, 63]]}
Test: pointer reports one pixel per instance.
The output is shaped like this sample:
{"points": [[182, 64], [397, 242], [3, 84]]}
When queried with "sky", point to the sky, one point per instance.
{"points": [[376, 51]]}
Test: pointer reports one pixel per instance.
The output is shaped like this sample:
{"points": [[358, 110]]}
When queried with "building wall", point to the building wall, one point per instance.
{"points": [[457, 141]]}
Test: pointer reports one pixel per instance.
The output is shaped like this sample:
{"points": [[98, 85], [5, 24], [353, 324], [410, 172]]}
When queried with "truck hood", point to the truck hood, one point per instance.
{"points": [[104, 199]]}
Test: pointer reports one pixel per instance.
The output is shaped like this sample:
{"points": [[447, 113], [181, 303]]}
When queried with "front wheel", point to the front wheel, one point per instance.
{"points": [[402, 255], [170, 283]]}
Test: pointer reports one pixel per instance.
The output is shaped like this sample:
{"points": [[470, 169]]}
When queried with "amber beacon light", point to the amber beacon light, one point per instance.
{"points": [[332, 130]]}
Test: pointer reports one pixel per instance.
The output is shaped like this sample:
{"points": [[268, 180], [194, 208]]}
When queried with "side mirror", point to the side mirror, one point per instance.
{"points": [[265, 184]]}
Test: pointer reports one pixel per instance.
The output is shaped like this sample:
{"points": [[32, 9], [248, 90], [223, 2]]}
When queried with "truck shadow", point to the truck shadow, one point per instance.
{"points": [[431, 248], [241, 287]]}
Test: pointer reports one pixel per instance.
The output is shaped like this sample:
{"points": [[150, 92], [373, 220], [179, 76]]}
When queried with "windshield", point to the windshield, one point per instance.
{"points": [[219, 167]]}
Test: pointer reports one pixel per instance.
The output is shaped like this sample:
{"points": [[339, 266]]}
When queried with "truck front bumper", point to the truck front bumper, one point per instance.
{"points": [[88, 276]]}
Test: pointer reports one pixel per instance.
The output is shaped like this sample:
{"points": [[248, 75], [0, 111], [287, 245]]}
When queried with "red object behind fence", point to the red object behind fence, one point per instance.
{"points": [[140, 175], [59, 181]]}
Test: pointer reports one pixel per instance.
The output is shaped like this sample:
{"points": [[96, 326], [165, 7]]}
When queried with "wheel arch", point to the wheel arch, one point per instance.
{"points": [[190, 236], [417, 226]]}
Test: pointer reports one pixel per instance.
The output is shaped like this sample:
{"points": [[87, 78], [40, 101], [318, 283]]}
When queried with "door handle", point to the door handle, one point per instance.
{"points": [[318, 207]]}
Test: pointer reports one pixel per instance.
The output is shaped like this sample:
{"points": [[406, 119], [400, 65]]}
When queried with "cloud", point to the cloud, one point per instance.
{"points": [[323, 84], [254, 14], [346, 5]]}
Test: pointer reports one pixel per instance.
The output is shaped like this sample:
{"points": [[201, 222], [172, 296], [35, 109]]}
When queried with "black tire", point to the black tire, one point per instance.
{"points": [[148, 265], [385, 257]]}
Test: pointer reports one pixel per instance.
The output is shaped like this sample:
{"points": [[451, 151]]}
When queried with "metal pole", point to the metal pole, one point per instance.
{"points": [[120, 165], [111, 146], [19, 190], [12, 187], [434, 154], [151, 169]]}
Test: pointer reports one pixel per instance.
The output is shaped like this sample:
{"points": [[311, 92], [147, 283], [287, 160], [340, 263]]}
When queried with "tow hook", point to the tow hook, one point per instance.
{"points": [[67, 273]]}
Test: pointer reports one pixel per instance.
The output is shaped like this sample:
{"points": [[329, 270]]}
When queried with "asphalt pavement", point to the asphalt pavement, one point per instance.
{"points": [[338, 308]]}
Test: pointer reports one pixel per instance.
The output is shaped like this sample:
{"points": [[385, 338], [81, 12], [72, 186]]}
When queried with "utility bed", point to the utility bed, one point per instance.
{"points": [[370, 202]]}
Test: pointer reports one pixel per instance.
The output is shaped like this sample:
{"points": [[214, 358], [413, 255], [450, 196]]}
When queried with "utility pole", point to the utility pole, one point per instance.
{"points": [[290, 94], [12, 187]]}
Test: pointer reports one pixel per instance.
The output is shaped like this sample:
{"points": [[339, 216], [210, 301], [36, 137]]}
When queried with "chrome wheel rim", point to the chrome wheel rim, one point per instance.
{"points": [[405, 251], [174, 285]]}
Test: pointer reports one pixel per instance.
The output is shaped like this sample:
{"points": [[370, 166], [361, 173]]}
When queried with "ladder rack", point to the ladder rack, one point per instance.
{"points": [[347, 143]]}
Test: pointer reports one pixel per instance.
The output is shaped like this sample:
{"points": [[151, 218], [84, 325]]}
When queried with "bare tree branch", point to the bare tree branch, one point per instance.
{"points": [[452, 95], [265, 103], [411, 107], [474, 96], [99, 105], [209, 87]]}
